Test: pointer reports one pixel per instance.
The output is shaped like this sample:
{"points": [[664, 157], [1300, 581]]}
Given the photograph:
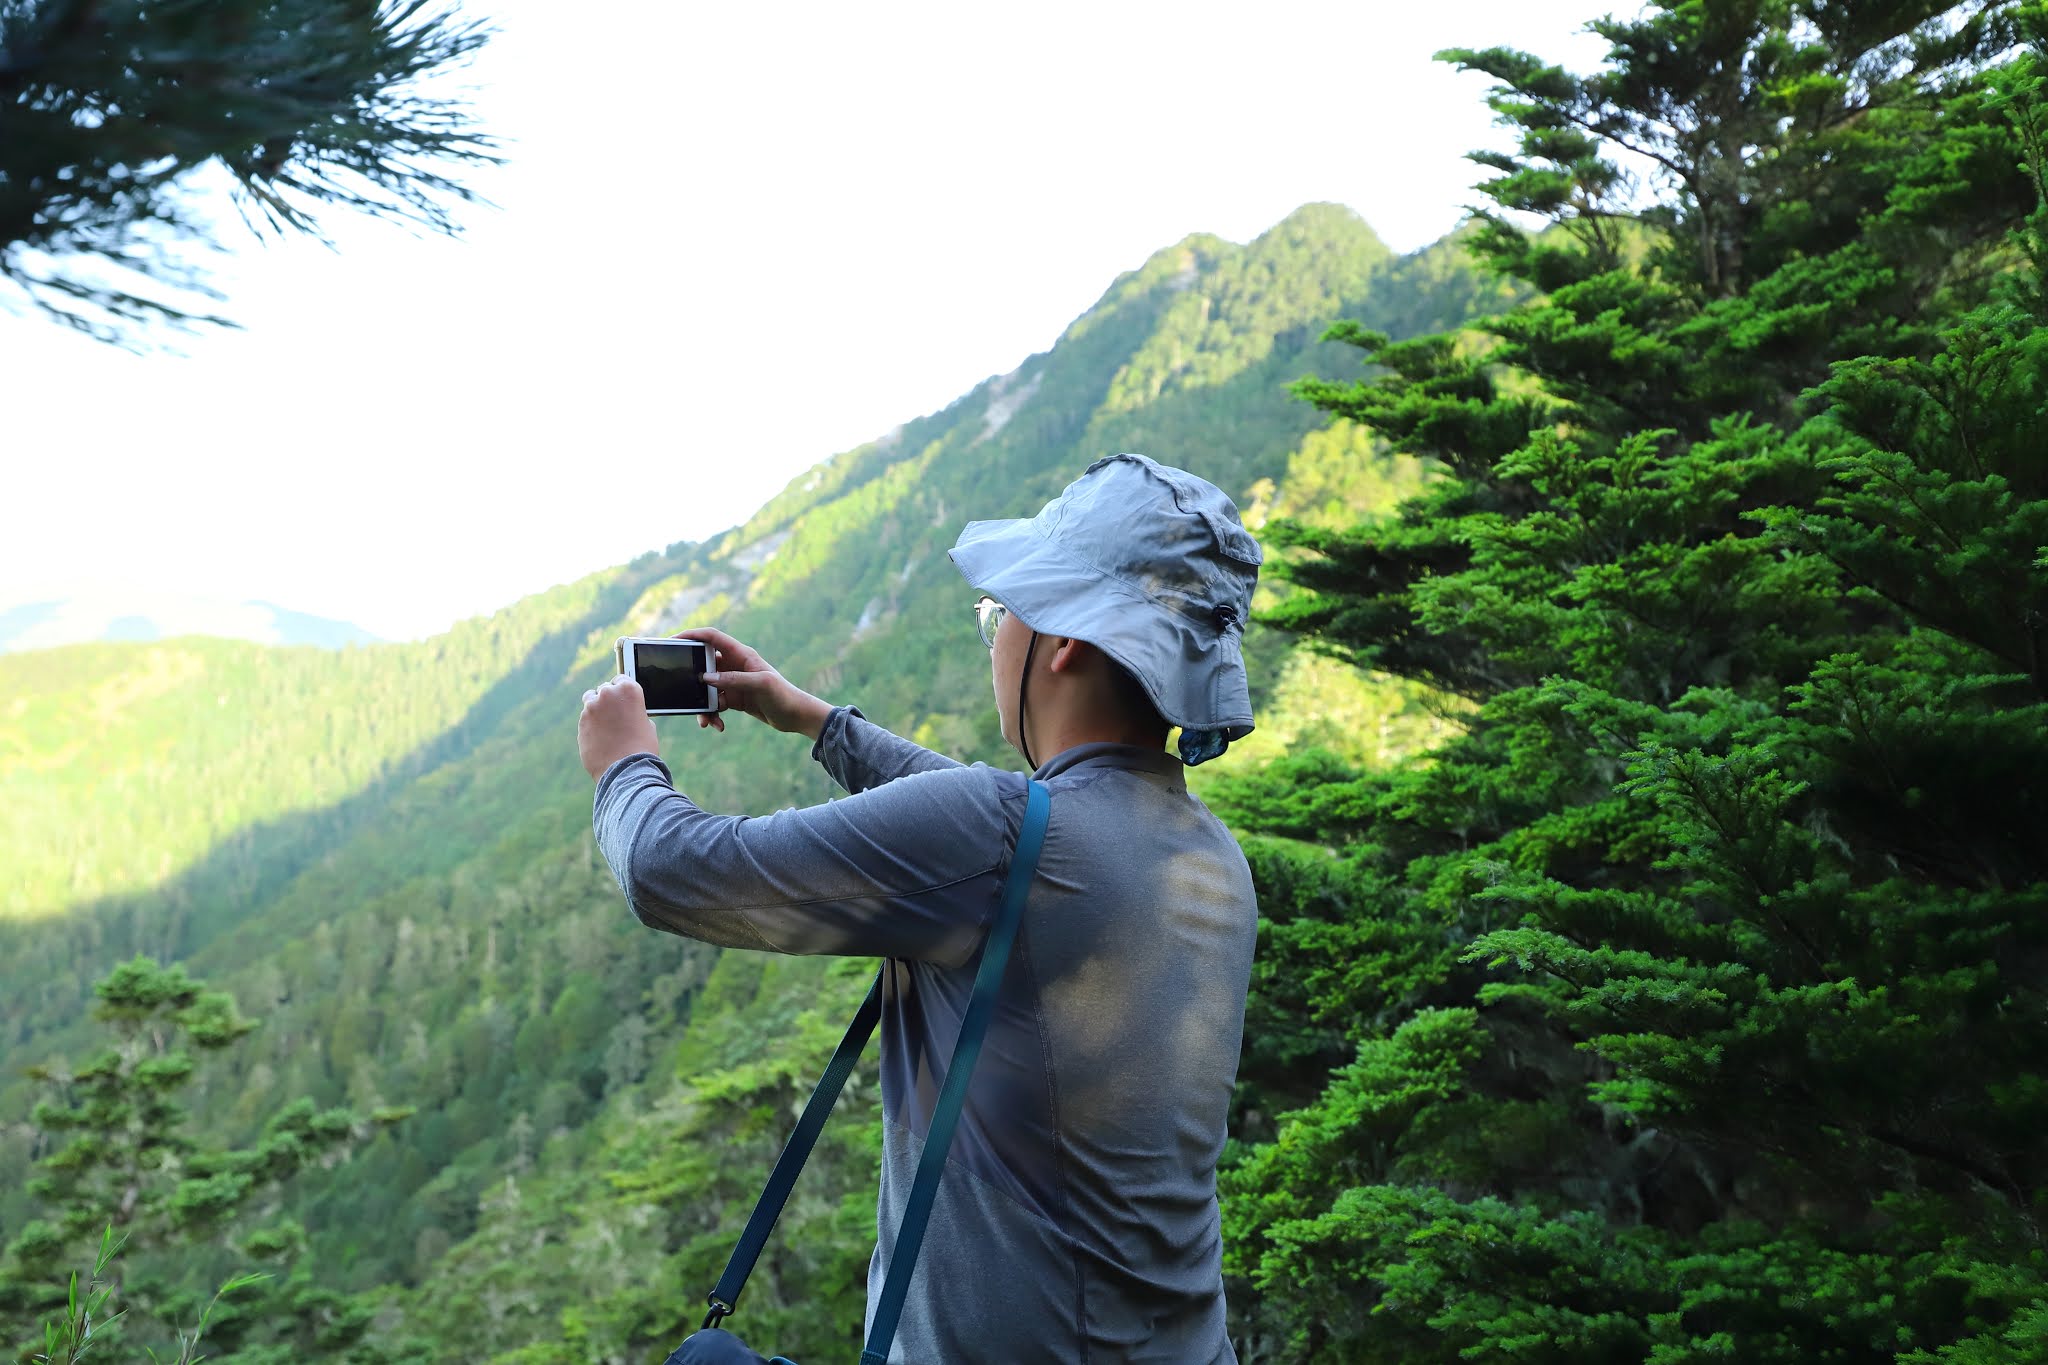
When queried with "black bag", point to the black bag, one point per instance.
{"points": [[716, 1346]]}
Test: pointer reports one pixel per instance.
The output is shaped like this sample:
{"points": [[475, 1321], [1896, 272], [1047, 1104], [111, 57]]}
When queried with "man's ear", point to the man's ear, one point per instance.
{"points": [[1068, 653]]}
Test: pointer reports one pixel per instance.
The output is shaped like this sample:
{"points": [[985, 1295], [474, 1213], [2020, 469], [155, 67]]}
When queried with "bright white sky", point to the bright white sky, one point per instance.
{"points": [[731, 240]]}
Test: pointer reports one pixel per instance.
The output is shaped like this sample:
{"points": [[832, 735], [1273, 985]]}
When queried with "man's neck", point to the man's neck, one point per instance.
{"points": [[1052, 740]]}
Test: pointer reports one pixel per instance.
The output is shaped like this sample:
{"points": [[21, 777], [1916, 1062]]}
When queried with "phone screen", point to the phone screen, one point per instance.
{"points": [[672, 674]]}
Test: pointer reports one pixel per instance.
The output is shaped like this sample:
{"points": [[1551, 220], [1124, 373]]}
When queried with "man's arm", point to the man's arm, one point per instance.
{"points": [[861, 755], [907, 869], [858, 754]]}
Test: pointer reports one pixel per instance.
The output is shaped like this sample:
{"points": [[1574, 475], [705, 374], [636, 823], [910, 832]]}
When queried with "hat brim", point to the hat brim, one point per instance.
{"points": [[1193, 672]]}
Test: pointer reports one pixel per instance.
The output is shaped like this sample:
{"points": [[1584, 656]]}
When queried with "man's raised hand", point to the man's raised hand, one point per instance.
{"points": [[747, 682], [614, 724]]}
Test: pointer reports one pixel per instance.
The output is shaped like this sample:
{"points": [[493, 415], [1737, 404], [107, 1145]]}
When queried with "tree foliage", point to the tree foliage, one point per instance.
{"points": [[111, 112], [1690, 1002], [122, 1160]]}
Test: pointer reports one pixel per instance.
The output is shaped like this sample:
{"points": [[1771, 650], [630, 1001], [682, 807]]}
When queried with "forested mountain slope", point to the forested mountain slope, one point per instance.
{"points": [[1681, 1004], [385, 854]]}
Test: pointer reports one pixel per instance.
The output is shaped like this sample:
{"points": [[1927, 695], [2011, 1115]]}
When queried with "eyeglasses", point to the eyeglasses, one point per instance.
{"points": [[988, 617]]}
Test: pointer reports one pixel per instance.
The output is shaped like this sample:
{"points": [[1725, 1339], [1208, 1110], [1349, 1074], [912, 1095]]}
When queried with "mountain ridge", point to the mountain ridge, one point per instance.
{"points": [[137, 615], [435, 931]]}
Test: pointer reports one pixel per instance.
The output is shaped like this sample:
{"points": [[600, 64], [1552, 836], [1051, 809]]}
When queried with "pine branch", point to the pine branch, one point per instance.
{"points": [[109, 109]]}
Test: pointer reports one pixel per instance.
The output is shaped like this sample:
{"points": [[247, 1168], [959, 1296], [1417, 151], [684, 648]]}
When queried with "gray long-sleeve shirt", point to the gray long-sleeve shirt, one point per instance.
{"points": [[1077, 1219]]}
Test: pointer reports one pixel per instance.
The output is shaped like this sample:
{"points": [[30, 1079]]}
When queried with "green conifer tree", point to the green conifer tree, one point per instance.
{"points": [[1690, 1003], [119, 1164]]}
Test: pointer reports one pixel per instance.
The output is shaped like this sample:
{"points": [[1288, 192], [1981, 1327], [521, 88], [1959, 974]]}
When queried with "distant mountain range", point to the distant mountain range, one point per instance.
{"points": [[142, 615]]}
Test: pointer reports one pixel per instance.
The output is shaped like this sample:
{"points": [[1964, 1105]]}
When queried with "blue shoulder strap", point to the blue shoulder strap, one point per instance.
{"points": [[995, 958]]}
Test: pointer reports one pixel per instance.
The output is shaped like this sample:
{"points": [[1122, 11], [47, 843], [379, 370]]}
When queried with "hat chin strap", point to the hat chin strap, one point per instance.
{"points": [[1023, 738]]}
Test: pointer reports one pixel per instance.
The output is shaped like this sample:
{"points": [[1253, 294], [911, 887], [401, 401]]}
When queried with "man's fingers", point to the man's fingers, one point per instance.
{"points": [[736, 680], [734, 654], [618, 691]]}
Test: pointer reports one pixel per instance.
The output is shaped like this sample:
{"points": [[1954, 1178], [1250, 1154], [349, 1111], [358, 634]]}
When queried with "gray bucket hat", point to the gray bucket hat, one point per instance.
{"points": [[1152, 566]]}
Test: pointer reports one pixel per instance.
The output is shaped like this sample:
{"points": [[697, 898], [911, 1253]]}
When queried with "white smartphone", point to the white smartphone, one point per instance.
{"points": [[670, 673]]}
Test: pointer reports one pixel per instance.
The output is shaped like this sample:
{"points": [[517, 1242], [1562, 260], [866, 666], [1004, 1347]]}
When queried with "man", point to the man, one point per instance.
{"points": [[1077, 1218]]}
